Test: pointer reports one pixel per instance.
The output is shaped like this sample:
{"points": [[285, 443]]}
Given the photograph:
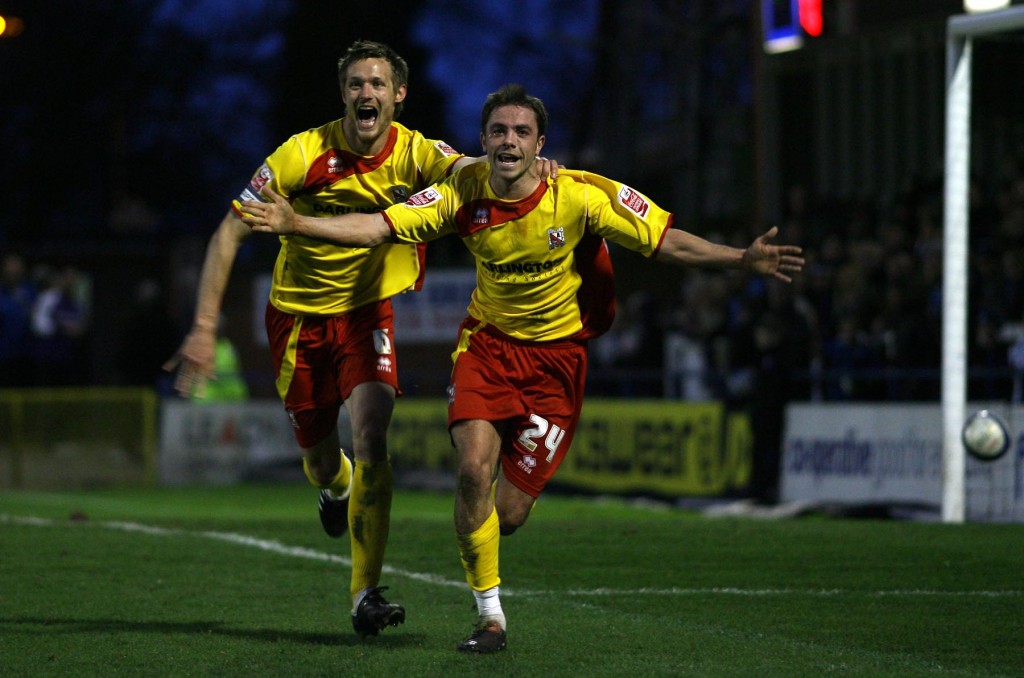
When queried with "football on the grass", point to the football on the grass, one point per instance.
{"points": [[985, 436]]}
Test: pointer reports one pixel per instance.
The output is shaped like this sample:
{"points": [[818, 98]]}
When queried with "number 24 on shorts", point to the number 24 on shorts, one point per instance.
{"points": [[541, 426]]}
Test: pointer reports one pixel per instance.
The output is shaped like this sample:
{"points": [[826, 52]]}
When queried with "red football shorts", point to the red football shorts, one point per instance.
{"points": [[320, 359], [534, 388]]}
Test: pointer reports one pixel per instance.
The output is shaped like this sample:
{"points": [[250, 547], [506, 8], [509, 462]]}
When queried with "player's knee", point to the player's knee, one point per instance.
{"points": [[508, 526], [506, 530], [510, 520]]}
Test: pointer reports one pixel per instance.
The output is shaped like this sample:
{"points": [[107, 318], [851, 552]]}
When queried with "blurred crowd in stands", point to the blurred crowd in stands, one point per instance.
{"points": [[48, 325], [44, 318], [863, 322]]}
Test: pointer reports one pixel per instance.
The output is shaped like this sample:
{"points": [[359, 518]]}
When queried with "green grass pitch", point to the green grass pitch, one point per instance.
{"points": [[240, 581]]}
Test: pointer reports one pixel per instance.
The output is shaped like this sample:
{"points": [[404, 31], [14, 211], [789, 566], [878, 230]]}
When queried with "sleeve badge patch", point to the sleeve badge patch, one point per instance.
{"points": [[260, 179], [633, 201], [445, 148], [425, 197]]}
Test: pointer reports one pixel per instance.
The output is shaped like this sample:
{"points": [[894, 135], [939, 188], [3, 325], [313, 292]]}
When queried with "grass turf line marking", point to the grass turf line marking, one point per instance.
{"points": [[268, 545], [277, 547]]}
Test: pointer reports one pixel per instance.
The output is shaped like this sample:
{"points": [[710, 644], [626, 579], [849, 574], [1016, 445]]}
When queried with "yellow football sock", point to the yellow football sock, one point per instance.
{"points": [[340, 484], [479, 553], [369, 519]]}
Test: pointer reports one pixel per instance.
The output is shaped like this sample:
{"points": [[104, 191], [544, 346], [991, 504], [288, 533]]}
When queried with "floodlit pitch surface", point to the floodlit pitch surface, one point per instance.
{"points": [[241, 581]]}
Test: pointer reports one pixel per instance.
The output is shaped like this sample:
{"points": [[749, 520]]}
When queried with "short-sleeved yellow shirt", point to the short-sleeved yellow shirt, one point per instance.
{"points": [[542, 264], [321, 176]]}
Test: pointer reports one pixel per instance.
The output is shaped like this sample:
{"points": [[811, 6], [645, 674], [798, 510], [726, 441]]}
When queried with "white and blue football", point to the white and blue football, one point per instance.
{"points": [[985, 436]]}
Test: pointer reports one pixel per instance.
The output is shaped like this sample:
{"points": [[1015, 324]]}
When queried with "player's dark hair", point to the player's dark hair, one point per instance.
{"points": [[514, 95], [367, 49]]}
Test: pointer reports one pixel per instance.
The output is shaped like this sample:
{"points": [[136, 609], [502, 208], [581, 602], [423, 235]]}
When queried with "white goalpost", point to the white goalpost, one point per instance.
{"points": [[960, 34]]}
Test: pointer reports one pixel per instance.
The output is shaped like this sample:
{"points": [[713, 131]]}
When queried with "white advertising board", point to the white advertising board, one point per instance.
{"points": [[433, 314], [882, 453], [222, 443]]}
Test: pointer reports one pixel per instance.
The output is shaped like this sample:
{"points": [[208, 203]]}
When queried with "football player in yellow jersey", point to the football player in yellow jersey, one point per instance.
{"points": [[329, 316], [544, 287]]}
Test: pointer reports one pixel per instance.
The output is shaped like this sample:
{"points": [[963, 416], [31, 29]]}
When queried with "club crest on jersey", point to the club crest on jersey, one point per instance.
{"points": [[399, 194], [425, 197], [481, 216], [633, 201], [445, 148], [556, 237]]}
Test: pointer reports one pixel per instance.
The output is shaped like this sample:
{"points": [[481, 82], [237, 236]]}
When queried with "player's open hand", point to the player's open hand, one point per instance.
{"points": [[194, 363], [275, 216], [778, 261]]}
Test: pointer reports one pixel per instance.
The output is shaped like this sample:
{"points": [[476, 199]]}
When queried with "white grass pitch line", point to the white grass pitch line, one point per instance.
{"points": [[273, 546], [267, 545], [277, 547]]}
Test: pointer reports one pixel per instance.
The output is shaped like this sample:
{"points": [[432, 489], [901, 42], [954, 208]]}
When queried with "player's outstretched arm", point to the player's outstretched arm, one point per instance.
{"points": [[761, 257], [278, 217]]}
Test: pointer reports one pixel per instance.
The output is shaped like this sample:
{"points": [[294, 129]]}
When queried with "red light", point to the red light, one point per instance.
{"points": [[810, 17]]}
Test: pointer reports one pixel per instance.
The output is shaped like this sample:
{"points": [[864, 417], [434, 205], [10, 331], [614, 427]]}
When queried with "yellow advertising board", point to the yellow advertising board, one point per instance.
{"points": [[660, 446], [664, 447]]}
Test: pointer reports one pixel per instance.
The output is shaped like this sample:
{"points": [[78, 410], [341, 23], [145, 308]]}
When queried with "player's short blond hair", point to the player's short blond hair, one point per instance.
{"points": [[361, 50]]}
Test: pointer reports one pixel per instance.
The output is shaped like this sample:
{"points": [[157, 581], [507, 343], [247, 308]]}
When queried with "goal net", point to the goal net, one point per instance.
{"points": [[973, 490]]}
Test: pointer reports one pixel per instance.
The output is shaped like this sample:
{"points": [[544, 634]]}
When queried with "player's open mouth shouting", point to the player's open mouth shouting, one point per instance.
{"points": [[366, 116], [507, 160]]}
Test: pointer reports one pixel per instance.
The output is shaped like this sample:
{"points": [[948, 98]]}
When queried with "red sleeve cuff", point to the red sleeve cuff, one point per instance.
{"points": [[671, 220]]}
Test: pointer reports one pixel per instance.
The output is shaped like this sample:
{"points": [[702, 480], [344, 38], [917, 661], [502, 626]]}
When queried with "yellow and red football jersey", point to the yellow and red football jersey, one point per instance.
{"points": [[321, 176], [542, 265]]}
